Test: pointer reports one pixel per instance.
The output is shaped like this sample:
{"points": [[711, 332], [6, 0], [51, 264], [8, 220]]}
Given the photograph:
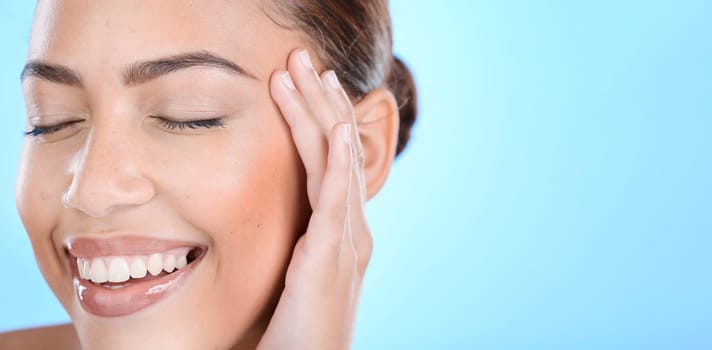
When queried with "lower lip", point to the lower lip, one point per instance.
{"points": [[106, 302]]}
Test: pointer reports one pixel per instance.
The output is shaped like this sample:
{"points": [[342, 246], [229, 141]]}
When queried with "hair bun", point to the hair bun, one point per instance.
{"points": [[402, 85]]}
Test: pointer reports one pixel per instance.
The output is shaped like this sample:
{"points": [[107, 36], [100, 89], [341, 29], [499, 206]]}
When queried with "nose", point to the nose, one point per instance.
{"points": [[106, 177]]}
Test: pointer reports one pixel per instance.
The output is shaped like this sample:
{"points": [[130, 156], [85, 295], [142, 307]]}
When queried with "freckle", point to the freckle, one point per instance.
{"points": [[259, 225]]}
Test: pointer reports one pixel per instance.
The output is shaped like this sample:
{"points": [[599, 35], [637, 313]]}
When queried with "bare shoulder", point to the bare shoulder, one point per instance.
{"points": [[61, 337]]}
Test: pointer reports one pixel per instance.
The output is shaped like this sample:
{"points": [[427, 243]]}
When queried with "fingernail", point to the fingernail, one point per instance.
{"points": [[287, 81], [346, 132], [332, 80], [304, 57]]}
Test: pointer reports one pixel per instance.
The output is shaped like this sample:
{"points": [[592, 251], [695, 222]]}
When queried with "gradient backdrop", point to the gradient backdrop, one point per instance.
{"points": [[557, 193]]}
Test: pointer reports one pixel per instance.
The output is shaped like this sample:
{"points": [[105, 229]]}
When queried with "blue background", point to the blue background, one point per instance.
{"points": [[556, 193]]}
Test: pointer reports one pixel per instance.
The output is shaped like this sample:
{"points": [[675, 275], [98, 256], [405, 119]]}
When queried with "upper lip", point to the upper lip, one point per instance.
{"points": [[123, 245]]}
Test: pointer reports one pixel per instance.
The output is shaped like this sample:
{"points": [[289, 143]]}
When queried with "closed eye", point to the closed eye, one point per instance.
{"points": [[166, 123], [46, 130], [189, 124]]}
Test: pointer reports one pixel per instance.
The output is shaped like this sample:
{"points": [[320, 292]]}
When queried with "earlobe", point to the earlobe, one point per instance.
{"points": [[378, 121]]}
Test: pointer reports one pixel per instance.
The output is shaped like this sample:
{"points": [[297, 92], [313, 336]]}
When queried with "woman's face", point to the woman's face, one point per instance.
{"points": [[120, 188]]}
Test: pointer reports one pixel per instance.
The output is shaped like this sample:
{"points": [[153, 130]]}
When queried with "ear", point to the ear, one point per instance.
{"points": [[378, 121]]}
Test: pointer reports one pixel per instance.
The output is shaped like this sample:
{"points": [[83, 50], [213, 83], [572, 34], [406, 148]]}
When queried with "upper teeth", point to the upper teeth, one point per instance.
{"points": [[120, 268]]}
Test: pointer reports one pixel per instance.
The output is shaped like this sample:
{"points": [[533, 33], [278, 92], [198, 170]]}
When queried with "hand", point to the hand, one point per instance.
{"points": [[317, 308]]}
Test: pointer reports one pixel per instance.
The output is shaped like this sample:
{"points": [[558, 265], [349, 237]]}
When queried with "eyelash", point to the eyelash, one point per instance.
{"points": [[46, 130], [168, 124], [190, 124]]}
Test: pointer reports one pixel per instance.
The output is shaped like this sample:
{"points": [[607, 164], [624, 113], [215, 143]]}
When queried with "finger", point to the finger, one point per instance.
{"points": [[338, 96], [331, 218], [306, 131], [344, 106], [337, 230], [357, 243], [315, 93]]}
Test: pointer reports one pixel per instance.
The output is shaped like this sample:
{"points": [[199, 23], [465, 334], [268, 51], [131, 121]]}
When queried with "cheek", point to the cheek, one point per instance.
{"points": [[234, 185], [246, 194], [38, 203], [43, 175]]}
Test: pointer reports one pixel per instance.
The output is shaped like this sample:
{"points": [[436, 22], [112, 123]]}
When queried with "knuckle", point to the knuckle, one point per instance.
{"points": [[364, 251]]}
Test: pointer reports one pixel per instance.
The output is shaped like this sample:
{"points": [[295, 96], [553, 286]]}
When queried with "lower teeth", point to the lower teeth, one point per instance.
{"points": [[115, 287]]}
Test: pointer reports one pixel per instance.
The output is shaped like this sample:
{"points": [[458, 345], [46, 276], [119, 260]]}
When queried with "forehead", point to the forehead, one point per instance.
{"points": [[110, 33]]}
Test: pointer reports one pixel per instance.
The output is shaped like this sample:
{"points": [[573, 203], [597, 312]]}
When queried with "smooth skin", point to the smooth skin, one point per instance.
{"points": [[343, 150], [329, 262]]}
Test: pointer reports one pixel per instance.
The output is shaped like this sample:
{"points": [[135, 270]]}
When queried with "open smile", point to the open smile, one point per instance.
{"points": [[120, 276]]}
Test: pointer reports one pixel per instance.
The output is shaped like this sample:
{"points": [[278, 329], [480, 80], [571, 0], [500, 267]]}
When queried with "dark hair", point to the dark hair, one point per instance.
{"points": [[354, 37]]}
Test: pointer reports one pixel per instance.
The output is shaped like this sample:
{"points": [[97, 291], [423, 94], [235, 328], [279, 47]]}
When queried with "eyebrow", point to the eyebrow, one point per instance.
{"points": [[51, 72], [139, 72]]}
